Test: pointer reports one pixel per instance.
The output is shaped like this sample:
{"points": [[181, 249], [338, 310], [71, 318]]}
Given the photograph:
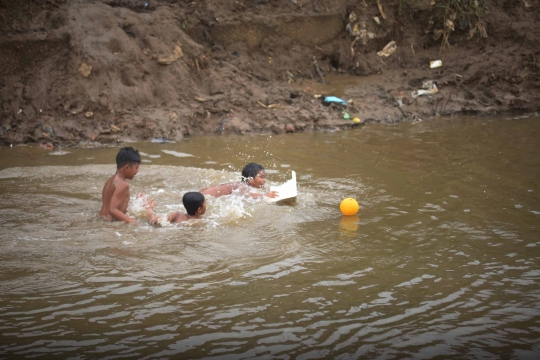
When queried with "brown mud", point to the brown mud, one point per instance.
{"points": [[78, 72]]}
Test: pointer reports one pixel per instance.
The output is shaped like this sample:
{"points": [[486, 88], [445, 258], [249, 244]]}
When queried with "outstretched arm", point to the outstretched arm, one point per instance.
{"points": [[220, 190], [117, 199], [270, 194]]}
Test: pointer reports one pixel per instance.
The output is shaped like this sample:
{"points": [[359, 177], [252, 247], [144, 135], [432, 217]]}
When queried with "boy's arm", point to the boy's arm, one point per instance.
{"points": [[172, 216], [270, 194], [120, 193], [220, 190], [149, 205]]}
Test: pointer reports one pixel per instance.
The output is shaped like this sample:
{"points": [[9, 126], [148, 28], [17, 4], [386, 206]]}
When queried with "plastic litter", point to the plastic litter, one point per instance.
{"points": [[287, 190], [430, 89], [388, 50], [345, 115], [435, 64], [333, 99]]}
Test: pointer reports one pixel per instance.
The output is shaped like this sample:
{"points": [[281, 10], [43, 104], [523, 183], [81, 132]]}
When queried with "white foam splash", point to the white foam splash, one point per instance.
{"points": [[176, 153], [59, 152]]}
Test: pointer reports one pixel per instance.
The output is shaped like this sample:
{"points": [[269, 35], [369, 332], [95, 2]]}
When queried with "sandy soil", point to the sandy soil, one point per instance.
{"points": [[96, 72]]}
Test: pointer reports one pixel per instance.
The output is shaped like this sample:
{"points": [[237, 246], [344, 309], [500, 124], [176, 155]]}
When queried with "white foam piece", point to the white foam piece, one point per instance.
{"points": [[287, 190]]}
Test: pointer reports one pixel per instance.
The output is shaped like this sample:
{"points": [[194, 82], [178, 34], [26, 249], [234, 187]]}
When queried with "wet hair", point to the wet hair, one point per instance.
{"points": [[251, 170], [192, 201], [127, 156]]}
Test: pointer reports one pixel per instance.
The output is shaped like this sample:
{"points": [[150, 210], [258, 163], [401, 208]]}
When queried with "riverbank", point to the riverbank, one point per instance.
{"points": [[117, 70]]}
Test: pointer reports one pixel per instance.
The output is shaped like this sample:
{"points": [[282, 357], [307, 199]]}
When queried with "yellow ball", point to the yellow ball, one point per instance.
{"points": [[349, 206]]}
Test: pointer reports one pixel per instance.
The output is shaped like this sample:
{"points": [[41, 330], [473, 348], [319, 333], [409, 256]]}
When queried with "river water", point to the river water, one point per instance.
{"points": [[442, 260]]}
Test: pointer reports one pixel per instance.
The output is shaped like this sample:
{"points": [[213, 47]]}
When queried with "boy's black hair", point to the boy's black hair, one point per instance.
{"points": [[192, 201], [127, 156], [251, 170]]}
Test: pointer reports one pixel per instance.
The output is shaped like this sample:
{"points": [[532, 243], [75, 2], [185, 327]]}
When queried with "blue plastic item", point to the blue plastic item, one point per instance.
{"points": [[333, 99]]}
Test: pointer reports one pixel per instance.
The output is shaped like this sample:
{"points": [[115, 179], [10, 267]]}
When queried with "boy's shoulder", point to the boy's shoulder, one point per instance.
{"points": [[180, 216]]}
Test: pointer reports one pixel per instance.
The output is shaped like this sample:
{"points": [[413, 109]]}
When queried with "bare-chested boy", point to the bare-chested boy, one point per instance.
{"points": [[116, 190], [194, 203], [253, 175]]}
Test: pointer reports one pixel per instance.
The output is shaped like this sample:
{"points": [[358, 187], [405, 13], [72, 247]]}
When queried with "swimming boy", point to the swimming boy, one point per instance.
{"points": [[194, 203], [253, 175], [116, 193]]}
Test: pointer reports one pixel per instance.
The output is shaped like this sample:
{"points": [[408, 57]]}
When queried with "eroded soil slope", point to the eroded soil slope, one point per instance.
{"points": [[74, 71]]}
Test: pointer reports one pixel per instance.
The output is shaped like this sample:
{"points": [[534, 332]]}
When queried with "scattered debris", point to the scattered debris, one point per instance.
{"points": [[430, 89], [85, 69], [271, 106], [332, 99], [291, 77], [115, 128], [388, 50], [376, 19], [200, 99], [435, 64], [89, 114], [345, 115], [317, 69], [177, 54], [356, 120], [481, 29], [289, 128], [381, 10]]}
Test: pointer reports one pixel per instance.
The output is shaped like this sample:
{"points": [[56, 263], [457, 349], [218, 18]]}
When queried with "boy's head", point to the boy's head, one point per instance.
{"points": [[254, 175], [194, 203], [127, 156]]}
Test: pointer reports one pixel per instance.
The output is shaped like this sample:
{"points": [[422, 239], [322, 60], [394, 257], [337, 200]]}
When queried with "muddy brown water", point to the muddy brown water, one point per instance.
{"points": [[442, 260]]}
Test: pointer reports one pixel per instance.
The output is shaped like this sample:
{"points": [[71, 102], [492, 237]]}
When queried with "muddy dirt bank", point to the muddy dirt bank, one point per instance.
{"points": [[96, 72]]}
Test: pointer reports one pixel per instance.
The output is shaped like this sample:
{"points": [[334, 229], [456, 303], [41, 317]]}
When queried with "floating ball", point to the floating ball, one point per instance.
{"points": [[349, 206]]}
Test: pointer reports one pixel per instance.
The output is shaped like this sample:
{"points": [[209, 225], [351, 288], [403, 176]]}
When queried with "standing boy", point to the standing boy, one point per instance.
{"points": [[116, 193], [253, 175]]}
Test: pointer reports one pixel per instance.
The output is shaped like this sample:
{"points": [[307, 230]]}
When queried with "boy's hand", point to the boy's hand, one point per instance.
{"points": [[272, 194], [140, 195], [149, 204]]}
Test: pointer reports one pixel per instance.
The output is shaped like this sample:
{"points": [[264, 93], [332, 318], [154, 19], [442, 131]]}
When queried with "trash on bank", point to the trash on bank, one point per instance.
{"points": [[430, 89], [356, 120], [271, 106], [376, 19], [346, 115], [332, 99], [85, 69], [435, 64], [388, 50]]}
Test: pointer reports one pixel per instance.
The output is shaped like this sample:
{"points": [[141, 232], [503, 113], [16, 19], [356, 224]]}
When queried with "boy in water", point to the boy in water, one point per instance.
{"points": [[194, 203], [116, 193], [253, 175]]}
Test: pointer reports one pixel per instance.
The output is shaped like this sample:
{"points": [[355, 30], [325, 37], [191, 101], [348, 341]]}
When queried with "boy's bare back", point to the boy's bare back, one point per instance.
{"points": [[115, 196], [115, 192]]}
